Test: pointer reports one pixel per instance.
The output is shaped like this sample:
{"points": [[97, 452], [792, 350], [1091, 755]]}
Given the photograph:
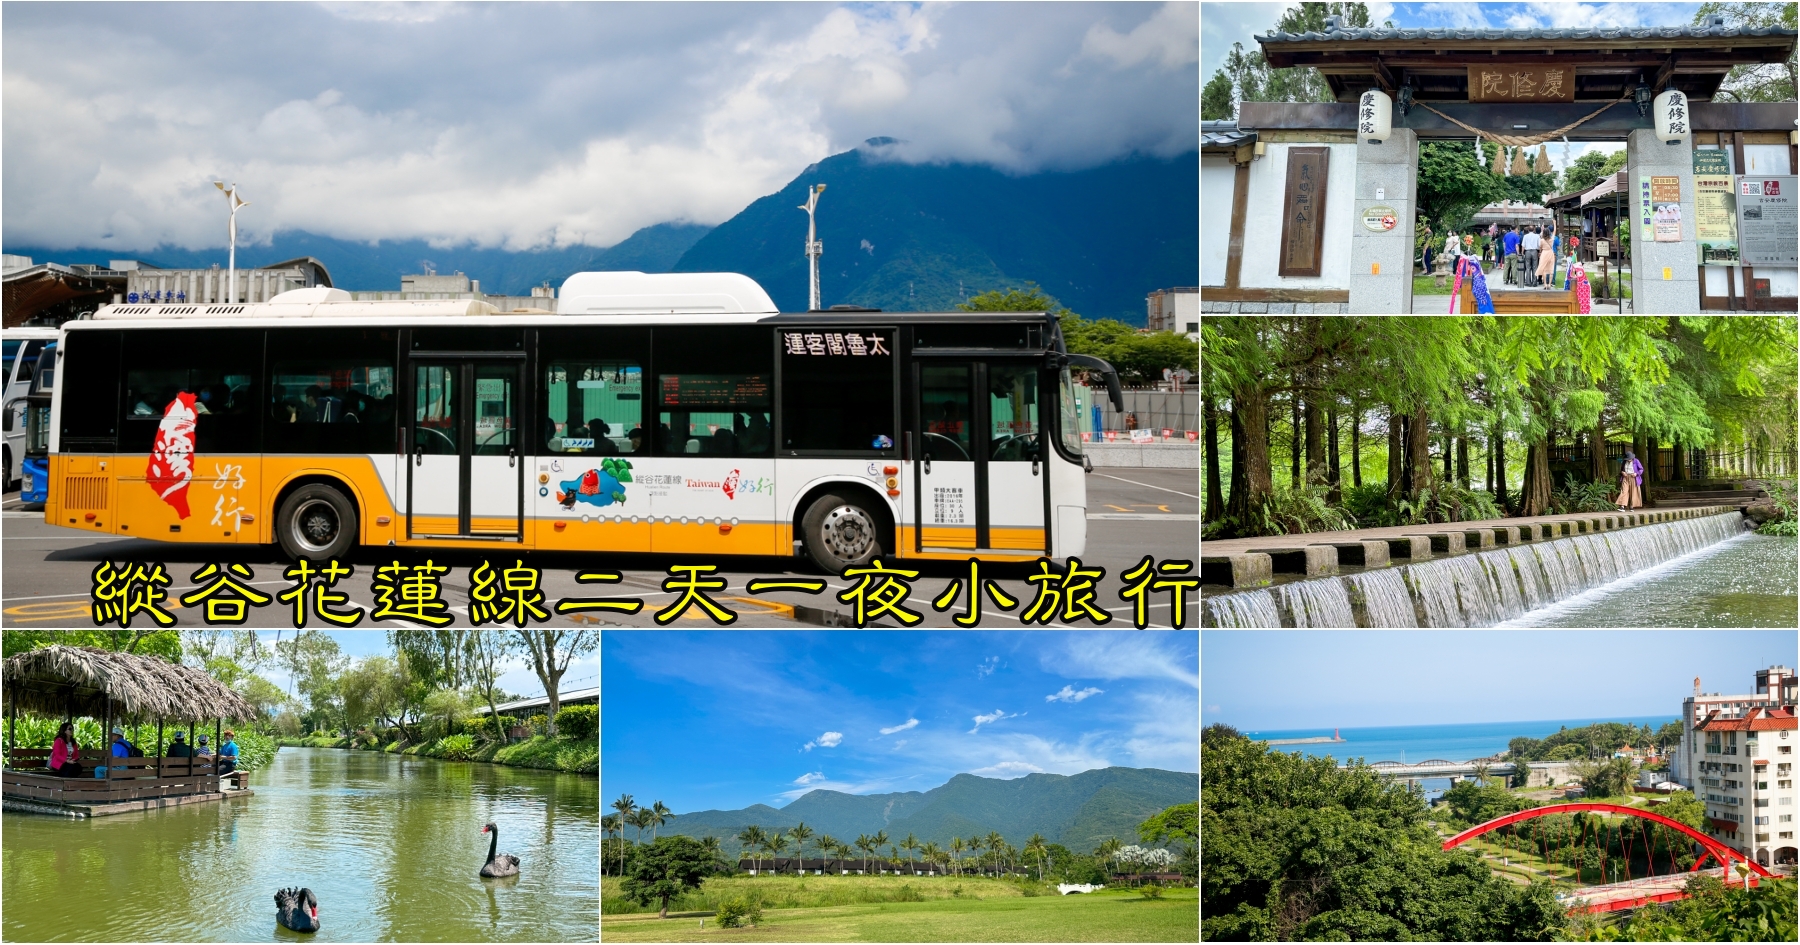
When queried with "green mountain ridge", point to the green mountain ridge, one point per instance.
{"points": [[1078, 811]]}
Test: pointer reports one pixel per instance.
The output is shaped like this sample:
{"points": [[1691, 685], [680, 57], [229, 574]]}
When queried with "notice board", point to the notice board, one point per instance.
{"points": [[1767, 221], [1303, 211], [1715, 209]]}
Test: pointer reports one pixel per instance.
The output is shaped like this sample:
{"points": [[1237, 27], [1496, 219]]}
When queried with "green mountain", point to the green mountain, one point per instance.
{"points": [[921, 237], [1078, 811]]}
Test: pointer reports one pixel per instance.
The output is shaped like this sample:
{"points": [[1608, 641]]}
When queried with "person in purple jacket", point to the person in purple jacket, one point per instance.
{"points": [[1631, 481]]}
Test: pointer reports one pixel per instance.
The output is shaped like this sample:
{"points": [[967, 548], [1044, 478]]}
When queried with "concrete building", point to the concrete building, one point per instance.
{"points": [[209, 286], [1775, 687], [1176, 309], [458, 285], [1745, 770]]}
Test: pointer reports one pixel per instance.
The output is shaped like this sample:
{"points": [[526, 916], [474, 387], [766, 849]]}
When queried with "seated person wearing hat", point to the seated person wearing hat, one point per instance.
{"points": [[179, 747], [122, 748]]}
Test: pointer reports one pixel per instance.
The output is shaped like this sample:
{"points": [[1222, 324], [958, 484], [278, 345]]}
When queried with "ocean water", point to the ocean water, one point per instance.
{"points": [[1415, 743]]}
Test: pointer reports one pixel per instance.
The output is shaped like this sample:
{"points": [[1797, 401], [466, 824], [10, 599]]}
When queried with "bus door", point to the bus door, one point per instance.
{"points": [[979, 465], [464, 472]]}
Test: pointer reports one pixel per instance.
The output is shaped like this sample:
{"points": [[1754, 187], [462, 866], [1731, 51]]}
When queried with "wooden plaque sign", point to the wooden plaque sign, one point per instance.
{"points": [[1303, 211], [1517, 83]]}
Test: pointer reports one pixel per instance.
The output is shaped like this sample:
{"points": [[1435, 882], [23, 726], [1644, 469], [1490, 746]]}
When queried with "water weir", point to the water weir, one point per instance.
{"points": [[1470, 590]]}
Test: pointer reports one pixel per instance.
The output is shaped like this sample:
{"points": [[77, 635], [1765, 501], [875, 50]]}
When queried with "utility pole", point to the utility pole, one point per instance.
{"points": [[237, 203], [814, 246]]}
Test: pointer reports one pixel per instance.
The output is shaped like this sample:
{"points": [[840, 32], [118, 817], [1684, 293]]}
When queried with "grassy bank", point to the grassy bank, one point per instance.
{"points": [[1099, 917], [577, 756], [804, 892]]}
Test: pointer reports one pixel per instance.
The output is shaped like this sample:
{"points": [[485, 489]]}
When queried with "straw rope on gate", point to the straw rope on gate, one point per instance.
{"points": [[1524, 141]]}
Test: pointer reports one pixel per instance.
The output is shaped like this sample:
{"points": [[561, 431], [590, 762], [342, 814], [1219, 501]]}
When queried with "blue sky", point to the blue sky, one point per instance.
{"points": [[525, 125], [518, 677], [1222, 24], [726, 719], [1301, 679]]}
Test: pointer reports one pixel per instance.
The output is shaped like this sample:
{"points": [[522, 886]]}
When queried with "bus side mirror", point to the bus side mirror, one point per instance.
{"points": [[6, 421]]}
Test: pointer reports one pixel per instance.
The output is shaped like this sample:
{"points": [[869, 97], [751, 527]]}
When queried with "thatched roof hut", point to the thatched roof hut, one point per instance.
{"points": [[60, 681]]}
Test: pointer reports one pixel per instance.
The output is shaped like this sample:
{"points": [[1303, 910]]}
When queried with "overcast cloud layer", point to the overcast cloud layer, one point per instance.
{"points": [[526, 125]]}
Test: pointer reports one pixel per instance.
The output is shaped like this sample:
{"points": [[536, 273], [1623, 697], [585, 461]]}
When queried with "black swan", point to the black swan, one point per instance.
{"points": [[297, 909], [498, 864]]}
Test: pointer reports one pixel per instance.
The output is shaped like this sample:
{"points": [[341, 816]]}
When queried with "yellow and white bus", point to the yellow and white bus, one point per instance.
{"points": [[660, 413]]}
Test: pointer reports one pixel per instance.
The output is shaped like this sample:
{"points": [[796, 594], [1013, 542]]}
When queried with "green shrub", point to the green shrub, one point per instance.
{"points": [[739, 911], [1150, 891], [1584, 497], [578, 721], [456, 747], [537, 723], [1369, 505]]}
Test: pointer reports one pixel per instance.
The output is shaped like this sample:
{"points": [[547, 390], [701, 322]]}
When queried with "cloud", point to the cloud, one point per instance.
{"points": [[903, 726], [814, 781], [827, 740], [1007, 769], [1125, 656], [578, 125], [1068, 694], [810, 777], [997, 715], [1589, 15], [987, 667]]}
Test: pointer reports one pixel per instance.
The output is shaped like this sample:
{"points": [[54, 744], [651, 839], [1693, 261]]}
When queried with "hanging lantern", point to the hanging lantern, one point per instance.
{"points": [[1374, 117], [1518, 162], [1672, 124], [1543, 159]]}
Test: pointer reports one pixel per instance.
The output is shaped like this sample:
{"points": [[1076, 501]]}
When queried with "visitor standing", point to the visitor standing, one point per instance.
{"points": [[1529, 245], [1631, 481], [1427, 252], [1546, 267], [1509, 247]]}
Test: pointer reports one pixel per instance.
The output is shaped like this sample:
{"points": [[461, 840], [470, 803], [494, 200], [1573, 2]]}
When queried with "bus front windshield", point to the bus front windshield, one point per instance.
{"points": [[1070, 415]]}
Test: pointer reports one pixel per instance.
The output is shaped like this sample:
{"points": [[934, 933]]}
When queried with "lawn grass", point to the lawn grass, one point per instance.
{"points": [[800, 892], [1121, 916]]}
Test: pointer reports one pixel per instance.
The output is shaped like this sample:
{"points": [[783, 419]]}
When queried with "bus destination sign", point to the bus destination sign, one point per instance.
{"points": [[715, 390]]}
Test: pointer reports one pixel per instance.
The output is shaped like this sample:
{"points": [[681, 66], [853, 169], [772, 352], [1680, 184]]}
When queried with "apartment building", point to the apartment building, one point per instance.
{"points": [[1775, 687], [1743, 771]]}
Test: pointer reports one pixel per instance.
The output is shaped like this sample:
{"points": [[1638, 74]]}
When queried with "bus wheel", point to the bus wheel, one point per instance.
{"points": [[316, 522], [841, 533]]}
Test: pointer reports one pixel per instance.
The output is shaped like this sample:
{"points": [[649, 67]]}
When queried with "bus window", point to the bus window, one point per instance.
{"points": [[11, 348], [594, 407], [343, 400], [89, 389], [837, 391], [1068, 414], [1012, 412], [713, 391], [944, 403], [211, 370]]}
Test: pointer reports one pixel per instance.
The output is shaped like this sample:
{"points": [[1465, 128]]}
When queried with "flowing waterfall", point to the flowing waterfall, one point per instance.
{"points": [[1472, 590], [1249, 609], [1317, 604], [1384, 599]]}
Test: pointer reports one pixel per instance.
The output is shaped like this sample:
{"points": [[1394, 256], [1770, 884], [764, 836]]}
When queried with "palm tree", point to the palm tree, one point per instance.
{"points": [[894, 857], [776, 844], [660, 815], [1480, 769], [711, 845], [956, 848], [910, 844], [878, 841], [863, 843], [1107, 848], [931, 852], [1035, 847], [625, 806], [751, 837], [842, 850], [975, 846], [642, 820], [827, 845], [610, 824], [801, 833]]}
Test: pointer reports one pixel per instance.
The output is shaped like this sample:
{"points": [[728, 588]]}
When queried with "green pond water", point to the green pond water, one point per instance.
{"points": [[1746, 581], [389, 844]]}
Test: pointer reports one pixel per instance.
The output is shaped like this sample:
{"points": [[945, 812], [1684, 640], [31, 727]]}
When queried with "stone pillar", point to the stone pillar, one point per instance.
{"points": [[1393, 168], [1651, 294]]}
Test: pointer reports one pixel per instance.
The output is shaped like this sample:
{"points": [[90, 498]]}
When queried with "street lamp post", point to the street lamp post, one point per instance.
{"points": [[237, 203], [814, 246]]}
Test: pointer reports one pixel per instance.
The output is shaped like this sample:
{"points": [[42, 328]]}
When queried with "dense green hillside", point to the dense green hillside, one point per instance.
{"points": [[378, 267], [1077, 811], [913, 237]]}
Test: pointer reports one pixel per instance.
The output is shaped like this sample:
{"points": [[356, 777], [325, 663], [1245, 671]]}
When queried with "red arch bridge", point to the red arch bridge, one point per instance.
{"points": [[1624, 892]]}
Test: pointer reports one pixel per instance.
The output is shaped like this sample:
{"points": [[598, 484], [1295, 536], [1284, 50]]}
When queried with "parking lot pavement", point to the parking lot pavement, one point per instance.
{"points": [[47, 571]]}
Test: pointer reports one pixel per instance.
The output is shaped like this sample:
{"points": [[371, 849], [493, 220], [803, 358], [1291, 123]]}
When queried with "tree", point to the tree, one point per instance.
{"points": [[931, 852], [551, 653], [1764, 82], [865, 844], [666, 869], [1034, 847], [1180, 822], [878, 840], [1297, 848], [956, 850], [1110, 847], [1583, 173], [489, 650], [1215, 98], [751, 838], [1453, 184], [775, 844], [911, 845], [660, 815], [800, 832], [827, 845]]}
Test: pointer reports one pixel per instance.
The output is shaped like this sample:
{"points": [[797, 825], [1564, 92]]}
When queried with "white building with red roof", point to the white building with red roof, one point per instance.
{"points": [[1744, 773]]}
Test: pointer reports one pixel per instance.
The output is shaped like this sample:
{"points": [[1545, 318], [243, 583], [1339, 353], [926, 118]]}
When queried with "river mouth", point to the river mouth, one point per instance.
{"points": [[390, 845]]}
